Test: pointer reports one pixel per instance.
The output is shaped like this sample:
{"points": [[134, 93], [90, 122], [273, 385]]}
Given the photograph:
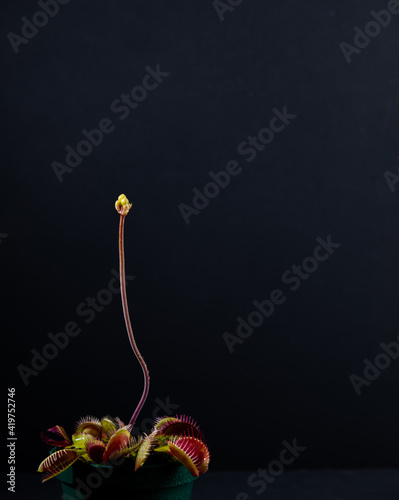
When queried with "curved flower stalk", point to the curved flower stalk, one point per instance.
{"points": [[173, 439], [123, 206], [99, 441]]}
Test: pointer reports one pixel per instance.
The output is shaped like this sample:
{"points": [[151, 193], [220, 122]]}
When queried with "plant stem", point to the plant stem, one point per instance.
{"points": [[128, 323]]}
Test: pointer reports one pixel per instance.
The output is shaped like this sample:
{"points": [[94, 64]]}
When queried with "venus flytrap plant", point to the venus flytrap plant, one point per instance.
{"points": [[95, 441]]}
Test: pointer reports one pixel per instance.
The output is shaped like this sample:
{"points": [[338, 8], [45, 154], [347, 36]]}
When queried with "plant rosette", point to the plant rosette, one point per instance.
{"points": [[103, 458]]}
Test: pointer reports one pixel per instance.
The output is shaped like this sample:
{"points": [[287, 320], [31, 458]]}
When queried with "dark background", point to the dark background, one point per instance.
{"points": [[323, 175]]}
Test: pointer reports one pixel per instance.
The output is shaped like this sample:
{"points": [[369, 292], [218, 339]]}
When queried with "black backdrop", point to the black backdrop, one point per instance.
{"points": [[221, 73]]}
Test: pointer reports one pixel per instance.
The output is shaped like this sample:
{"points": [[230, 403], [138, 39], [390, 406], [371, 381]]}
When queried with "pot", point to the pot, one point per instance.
{"points": [[170, 481]]}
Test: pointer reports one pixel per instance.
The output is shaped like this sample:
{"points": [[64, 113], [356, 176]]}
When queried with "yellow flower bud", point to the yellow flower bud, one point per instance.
{"points": [[122, 205]]}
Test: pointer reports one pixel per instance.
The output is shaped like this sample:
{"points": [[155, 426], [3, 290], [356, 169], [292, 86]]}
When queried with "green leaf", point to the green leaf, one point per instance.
{"points": [[145, 449], [57, 462]]}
